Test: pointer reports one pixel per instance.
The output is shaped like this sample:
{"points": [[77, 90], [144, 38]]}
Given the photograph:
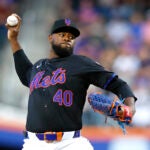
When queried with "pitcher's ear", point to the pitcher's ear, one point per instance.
{"points": [[50, 38]]}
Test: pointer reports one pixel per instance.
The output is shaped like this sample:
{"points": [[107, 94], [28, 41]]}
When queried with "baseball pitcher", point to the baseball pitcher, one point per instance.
{"points": [[57, 89]]}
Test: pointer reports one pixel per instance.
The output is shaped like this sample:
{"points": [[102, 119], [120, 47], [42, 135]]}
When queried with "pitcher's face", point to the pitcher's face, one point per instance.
{"points": [[62, 43]]}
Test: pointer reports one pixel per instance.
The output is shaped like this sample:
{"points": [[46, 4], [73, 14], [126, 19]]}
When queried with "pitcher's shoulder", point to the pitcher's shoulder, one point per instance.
{"points": [[82, 58]]}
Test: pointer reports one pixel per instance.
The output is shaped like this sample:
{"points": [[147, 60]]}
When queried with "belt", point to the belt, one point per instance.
{"points": [[53, 136]]}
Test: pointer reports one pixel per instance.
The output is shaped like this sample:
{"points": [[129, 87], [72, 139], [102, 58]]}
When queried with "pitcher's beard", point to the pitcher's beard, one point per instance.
{"points": [[62, 52]]}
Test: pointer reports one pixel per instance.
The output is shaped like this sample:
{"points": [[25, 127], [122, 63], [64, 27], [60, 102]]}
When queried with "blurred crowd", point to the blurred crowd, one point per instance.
{"points": [[115, 33]]}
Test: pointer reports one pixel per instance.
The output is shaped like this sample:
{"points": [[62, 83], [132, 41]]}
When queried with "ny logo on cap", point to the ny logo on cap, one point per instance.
{"points": [[67, 21]]}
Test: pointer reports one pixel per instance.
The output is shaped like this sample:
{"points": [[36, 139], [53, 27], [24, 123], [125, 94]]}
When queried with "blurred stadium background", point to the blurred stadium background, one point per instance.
{"points": [[115, 33]]}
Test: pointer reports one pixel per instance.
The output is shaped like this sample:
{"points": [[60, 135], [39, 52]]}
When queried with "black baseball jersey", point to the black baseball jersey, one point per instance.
{"points": [[58, 89]]}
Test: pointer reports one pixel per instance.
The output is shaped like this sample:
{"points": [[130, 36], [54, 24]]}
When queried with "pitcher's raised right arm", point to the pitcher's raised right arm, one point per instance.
{"points": [[22, 63]]}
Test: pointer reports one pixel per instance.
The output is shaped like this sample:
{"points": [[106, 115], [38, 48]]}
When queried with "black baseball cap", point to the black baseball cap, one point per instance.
{"points": [[65, 25]]}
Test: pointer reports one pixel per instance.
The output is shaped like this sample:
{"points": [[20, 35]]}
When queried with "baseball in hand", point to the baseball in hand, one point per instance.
{"points": [[12, 20]]}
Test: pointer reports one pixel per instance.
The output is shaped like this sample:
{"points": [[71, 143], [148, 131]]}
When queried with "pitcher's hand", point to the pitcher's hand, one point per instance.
{"points": [[13, 31]]}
